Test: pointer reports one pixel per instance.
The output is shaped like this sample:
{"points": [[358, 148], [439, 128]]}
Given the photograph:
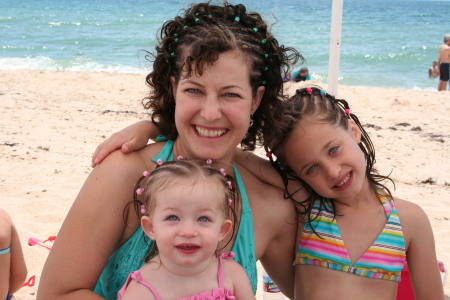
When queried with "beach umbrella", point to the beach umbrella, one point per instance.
{"points": [[335, 46]]}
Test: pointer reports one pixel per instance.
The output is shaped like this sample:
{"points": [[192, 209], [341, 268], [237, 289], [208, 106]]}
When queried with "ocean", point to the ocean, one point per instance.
{"points": [[384, 43]]}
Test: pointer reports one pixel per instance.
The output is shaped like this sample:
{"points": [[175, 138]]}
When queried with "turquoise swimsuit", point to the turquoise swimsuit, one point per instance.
{"points": [[130, 256]]}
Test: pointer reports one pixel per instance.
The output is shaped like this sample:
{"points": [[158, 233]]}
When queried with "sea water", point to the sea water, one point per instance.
{"points": [[384, 43]]}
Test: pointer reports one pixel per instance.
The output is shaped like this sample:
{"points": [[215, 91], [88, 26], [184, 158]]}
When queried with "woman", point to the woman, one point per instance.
{"points": [[216, 83]]}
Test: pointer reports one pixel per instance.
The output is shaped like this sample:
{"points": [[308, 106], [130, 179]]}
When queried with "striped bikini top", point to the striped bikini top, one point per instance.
{"points": [[383, 260]]}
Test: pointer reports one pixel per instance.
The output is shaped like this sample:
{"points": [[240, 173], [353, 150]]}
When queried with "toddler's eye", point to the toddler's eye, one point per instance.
{"points": [[173, 218], [203, 219]]}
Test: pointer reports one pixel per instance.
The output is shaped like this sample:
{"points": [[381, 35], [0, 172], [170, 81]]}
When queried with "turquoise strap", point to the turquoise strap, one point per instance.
{"points": [[4, 251]]}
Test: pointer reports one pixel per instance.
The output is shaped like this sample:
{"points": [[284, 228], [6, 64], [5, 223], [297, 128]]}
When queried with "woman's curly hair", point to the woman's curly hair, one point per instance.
{"points": [[196, 38]]}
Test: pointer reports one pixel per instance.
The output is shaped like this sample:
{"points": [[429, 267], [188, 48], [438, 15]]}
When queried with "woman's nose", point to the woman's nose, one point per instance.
{"points": [[211, 110]]}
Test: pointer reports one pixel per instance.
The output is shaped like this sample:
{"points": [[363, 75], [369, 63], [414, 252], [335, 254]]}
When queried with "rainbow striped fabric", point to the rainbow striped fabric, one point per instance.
{"points": [[383, 260]]}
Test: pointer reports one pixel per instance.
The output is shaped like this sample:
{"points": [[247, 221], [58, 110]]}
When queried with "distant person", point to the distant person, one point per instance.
{"points": [[444, 63], [302, 75], [433, 71], [13, 271]]}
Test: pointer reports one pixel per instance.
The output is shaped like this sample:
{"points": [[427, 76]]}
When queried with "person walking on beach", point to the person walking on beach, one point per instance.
{"points": [[444, 63], [433, 71]]}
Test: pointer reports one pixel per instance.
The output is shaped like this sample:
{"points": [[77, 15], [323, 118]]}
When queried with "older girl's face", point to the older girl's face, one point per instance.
{"points": [[212, 112]]}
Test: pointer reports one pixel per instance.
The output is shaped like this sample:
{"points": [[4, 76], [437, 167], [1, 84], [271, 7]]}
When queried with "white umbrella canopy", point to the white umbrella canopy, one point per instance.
{"points": [[335, 46]]}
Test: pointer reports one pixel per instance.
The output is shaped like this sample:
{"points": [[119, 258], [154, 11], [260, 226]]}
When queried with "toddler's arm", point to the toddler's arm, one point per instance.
{"points": [[241, 283], [13, 270], [133, 137], [421, 252]]}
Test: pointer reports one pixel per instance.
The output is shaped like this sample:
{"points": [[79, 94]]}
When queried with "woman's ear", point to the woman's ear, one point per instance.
{"points": [[147, 226], [225, 229], [174, 87], [258, 97], [355, 131]]}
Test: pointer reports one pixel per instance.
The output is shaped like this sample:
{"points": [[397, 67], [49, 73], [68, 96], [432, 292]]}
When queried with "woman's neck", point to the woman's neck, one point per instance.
{"points": [[224, 162]]}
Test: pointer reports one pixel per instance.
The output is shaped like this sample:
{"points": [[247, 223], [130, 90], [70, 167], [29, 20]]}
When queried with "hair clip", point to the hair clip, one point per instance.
{"points": [[323, 92], [139, 191], [146, 174], [179, 157], [230, 186], [237, 19], [309, 90], [255, 29], [268, 154], [230, 202], [208, 161], [222, 171], [347, 111], [143, 209], [159, 161], [263, 41], [196, 20]]}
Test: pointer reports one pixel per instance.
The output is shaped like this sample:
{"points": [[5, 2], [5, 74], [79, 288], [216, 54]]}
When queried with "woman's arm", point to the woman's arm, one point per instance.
{"points": [[93, 229], [421, 252], [259, 167], [131, 138], [263, 170]]}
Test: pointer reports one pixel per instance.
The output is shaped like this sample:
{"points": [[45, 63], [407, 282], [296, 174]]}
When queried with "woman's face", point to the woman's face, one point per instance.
{"points": [[212, 112]]}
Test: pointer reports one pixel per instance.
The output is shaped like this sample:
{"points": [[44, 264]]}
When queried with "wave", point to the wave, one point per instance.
{"points": [[77, 64]]}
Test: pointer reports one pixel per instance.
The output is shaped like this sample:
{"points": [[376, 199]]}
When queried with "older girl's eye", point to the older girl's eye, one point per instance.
{"points": [[311, 169], [334, 149], [173, 218], [203, 219]]}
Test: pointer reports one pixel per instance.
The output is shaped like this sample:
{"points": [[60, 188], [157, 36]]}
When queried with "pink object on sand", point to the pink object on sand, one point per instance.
{"points": [[34, 241]]}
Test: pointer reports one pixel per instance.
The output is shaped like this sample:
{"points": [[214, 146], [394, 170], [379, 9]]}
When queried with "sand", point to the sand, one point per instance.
{"points": [[51, 123]]}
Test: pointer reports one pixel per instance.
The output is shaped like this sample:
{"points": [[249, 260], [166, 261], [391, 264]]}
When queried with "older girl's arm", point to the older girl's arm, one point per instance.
{"points": [[131, 138], [421, 253]]}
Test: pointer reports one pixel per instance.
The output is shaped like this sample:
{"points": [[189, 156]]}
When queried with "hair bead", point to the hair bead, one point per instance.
{"points": [[237, 19], [196, 20], [264, 41], [255, 29]]}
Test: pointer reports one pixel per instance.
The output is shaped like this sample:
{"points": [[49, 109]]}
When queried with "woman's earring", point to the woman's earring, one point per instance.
{"points": [[251, 121]]}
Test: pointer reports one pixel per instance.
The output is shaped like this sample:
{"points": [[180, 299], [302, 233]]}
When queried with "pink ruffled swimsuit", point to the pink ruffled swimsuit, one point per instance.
{"points": [[219, 293]]}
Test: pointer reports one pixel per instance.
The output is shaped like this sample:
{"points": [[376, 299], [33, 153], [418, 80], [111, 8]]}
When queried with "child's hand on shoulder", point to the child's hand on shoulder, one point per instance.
{"points": [[131, 138]]}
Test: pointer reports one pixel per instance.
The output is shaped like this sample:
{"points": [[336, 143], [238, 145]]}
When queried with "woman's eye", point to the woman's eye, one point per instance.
{"points": [[172, 218], [203, 219], [193, 91], [312, 168], [334, 149], [232, 95]]}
